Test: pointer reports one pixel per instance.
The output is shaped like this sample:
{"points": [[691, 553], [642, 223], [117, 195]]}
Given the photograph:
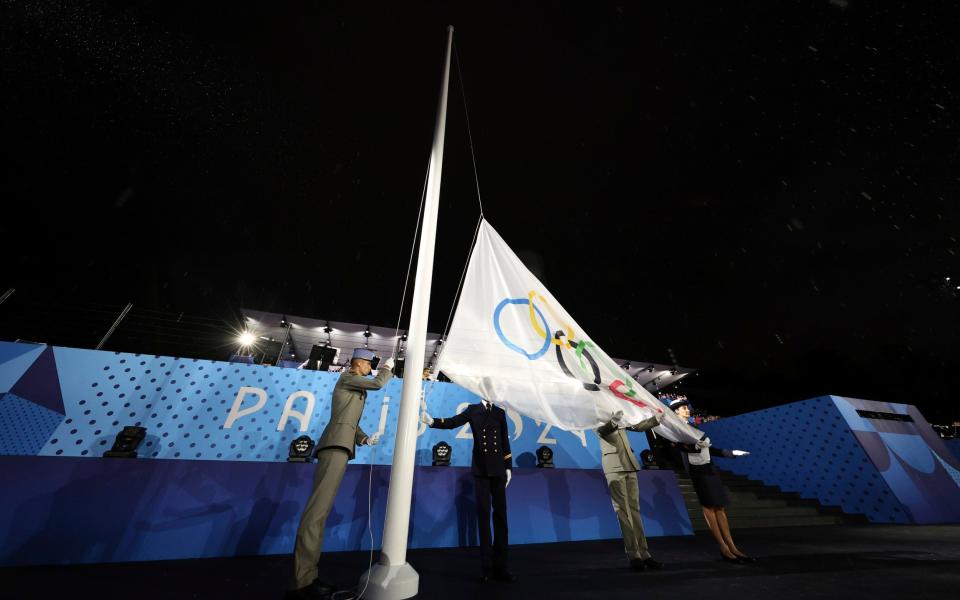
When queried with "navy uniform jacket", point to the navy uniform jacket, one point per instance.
{"points": [[491, 440]]}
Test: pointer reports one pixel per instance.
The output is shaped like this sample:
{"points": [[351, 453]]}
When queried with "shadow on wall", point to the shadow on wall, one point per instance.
{"points": [[526, 460], [42, 519], [466, 506], [674, 519], [558, 490]]}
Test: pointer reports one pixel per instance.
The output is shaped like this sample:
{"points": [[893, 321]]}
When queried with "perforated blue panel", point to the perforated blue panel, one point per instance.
{"points": [[24, 426], [186, 404], [807, 447]]}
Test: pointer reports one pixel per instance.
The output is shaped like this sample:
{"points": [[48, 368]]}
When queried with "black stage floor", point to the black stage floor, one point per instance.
{"points": [[859, 561]]}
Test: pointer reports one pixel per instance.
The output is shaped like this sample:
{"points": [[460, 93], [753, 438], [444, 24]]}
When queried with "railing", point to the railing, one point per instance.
{"points": [[119, 327]]}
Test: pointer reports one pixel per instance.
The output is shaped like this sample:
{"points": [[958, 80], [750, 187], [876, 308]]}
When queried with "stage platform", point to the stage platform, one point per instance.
{"points": [[847, 561]]}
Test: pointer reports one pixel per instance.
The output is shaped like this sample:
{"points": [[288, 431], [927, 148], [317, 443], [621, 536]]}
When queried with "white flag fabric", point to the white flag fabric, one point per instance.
{"points": [[512, 343]]}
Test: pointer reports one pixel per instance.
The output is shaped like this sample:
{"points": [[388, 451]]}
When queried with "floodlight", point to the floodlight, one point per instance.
{"points": [[126, 443], [301, 449], [442, 453], [544, 458], [648, 460]]}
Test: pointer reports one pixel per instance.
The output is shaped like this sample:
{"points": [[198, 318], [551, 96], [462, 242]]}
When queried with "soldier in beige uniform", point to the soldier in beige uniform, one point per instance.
{"points": [[335, 448], [620, 467]]}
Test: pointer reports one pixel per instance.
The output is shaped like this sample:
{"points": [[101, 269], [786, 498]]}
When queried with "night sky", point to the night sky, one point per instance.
{"points": [[767, 192]]}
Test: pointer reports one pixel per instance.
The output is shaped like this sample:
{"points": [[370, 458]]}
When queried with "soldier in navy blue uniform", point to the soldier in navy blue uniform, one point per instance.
{"points": [[492, 463]]}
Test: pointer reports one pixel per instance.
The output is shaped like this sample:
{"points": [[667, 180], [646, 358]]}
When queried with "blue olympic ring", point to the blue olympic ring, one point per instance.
{"points": [[511, 345]]}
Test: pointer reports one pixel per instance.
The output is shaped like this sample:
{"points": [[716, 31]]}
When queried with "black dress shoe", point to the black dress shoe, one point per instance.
{"points": [[734, 560], [503, 575], [638, 564], [650, 563], [317, 590], [747, 559]]}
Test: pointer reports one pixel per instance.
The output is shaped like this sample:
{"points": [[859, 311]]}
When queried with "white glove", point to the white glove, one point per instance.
{"points": [[426, 418], [740, 453], [616, 417], [388, 364], [374, 439], [704, 443], [509, 475]]}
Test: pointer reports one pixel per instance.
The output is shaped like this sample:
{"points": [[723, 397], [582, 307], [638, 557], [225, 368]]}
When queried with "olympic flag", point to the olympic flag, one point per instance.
{"points": [[512, 343]]}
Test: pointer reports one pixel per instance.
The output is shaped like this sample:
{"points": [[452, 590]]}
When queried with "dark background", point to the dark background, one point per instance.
{"points": [[766, 190]]}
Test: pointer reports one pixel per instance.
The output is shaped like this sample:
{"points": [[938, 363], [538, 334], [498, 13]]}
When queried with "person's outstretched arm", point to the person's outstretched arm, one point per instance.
{"points": [[451, 422]]}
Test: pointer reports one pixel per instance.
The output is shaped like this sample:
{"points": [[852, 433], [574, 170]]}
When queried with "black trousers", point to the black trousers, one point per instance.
{"points": [[492, 555]]}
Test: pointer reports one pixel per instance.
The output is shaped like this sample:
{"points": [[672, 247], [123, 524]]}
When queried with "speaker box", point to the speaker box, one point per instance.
{"points": [[321, 357]]}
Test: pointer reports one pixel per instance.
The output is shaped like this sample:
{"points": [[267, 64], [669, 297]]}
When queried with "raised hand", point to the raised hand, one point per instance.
{"points": [[426, 418]]}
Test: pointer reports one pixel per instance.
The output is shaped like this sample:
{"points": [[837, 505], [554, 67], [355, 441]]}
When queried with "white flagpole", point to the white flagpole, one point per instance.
{"points": [[392, 578]]}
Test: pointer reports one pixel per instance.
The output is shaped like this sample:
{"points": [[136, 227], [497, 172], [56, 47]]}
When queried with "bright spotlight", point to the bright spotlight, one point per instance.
{"points": [[246, 338]]}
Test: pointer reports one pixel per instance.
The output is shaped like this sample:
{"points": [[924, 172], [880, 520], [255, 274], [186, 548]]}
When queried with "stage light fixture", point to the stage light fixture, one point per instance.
{"points": [[646, 458], [367, 333], [626, 366], [126, 443], [301, 450], [442, 453], [544, 458], [246, 339], [283, 321], [649, 368]]}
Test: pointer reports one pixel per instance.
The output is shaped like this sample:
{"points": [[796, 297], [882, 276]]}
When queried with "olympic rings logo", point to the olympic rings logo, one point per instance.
{"points": [[562, 339]]}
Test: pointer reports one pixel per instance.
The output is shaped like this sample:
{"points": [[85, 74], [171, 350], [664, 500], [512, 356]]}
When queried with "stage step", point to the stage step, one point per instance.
{"points": [[754, 504]]}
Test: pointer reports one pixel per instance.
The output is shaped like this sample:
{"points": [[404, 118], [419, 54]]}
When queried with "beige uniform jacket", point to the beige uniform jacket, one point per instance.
{"points": [[349, 396], [618, 456]]}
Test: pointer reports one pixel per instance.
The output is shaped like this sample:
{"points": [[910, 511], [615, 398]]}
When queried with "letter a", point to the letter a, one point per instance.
{"points": [[303, 417]]}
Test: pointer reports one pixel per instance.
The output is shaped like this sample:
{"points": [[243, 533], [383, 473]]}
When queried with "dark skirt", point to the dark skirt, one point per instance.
{"points": [[707, 485]]}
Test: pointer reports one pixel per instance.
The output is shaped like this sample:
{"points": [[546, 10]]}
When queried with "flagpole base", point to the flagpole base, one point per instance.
{"points": [[389, 582]]}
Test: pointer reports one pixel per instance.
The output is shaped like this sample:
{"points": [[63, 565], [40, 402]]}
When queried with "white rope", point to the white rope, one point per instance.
{"points": [[463, 276], [413, 246], [403, 300]]}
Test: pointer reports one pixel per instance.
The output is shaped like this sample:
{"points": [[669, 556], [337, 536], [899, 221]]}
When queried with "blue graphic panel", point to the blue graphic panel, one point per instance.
{"points": [[211, 410], [15, 359], [911, 457], [807, 447], [40, 384], [24, 426], [70, 510]]}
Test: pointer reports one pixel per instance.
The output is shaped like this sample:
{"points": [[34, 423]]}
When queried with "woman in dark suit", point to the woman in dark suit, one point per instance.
{"points": [[710, 491]]}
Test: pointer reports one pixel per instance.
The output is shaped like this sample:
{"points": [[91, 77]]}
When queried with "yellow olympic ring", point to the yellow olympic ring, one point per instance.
{"points": [[563, 342]]}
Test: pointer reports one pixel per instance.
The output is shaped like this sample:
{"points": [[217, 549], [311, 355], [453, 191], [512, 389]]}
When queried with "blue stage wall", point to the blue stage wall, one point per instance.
{"points": [[80, 510], [954, 447], [71, 402], [890, 471]]}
